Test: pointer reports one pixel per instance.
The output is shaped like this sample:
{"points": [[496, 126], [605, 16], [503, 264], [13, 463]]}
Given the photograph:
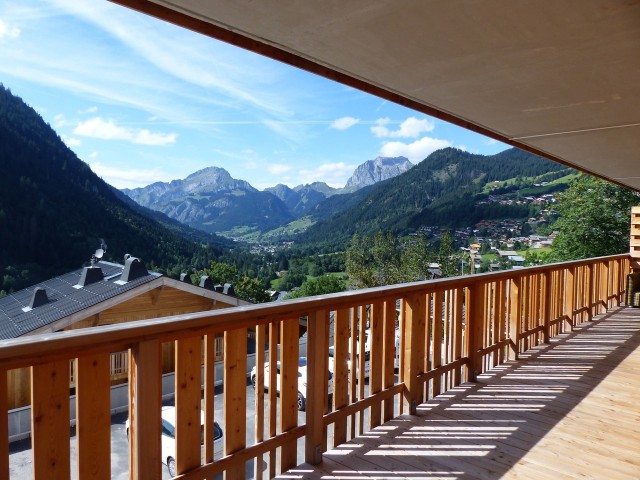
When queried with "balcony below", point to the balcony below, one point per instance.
{"points": [[567, 409]]}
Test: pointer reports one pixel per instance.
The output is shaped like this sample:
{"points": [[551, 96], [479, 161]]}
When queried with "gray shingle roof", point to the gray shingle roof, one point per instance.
{"points": [[64, 299]]}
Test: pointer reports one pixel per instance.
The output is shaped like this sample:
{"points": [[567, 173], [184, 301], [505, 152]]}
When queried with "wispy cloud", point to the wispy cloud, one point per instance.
{"points": [[93, 109], [71, 141], [334, 174], [108, 130], [344, 123], [8, 31], [278, 168], [129, 177], [415, 151], [412, 127]]}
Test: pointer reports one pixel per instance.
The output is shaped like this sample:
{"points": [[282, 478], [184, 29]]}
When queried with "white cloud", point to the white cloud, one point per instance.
{"points": [[108, 130], [416, 151], [71, 141], [93, 109], [333, 174], [278, 168], [60, 121], [412, 127], [129, 177], [93, 154], [344, 123], [8, 31]]}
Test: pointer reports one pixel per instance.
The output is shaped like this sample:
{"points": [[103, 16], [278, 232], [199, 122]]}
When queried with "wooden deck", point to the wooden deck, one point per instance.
{"points": [[570, 409]]}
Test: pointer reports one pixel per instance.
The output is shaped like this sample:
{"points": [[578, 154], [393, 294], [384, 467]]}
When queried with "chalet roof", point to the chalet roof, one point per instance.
{"points": [[64, 299], [559, 79]]}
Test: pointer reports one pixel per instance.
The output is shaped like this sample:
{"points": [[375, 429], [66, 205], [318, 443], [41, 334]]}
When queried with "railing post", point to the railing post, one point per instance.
{"points": [[474, 327], [317, 348], [145, 402], [515, 316], [414, 348]]}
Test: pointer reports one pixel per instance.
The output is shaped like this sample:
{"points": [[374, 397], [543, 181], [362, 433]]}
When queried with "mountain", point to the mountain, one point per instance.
{"points": [[440, 190], [54, 209], [212, 201], [378, 170], [301, 199]]}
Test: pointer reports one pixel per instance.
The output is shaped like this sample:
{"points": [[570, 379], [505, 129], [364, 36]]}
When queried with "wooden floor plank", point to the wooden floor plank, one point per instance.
{"points": [[568, 409]]}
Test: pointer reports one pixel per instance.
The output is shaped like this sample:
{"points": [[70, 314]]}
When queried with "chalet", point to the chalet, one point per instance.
{"points": [[104, 293]]}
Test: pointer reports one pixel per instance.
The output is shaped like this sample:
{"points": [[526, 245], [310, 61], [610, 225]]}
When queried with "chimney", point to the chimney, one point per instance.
{"points": [[184, 277], [229, 290], [133, 268], [206, 282], [38, 298], [218, 288], [90, 275]]}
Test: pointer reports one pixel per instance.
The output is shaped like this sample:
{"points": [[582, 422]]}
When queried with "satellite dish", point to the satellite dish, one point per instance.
{"points": [[99, 253]]}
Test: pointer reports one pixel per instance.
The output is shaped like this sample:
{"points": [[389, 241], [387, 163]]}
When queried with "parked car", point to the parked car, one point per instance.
{"points": [[302, 380], [169, 437], [366, 363]]}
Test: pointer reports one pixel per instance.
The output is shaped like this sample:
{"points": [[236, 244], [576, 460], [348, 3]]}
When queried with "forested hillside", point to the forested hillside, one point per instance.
{"points": [[440, 190], [54, 209]]}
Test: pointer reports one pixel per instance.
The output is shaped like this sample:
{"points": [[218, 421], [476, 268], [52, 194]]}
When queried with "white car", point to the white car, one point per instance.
{"points": [[169, 438], [366, 363], [302, 380]]}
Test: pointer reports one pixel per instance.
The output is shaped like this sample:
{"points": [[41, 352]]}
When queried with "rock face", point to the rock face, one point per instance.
{"points": [[213, 201], [374, 171], [301, 199]]}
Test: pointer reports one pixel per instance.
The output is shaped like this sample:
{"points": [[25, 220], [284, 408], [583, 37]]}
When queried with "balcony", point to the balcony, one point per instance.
{"points": [[493, 370]]}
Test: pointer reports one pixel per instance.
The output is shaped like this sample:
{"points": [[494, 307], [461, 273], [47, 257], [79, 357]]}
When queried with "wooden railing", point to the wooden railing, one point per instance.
{"points": [[444, 332]]}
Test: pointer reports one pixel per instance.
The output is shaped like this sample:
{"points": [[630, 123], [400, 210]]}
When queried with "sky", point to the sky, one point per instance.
{"points": [[143, 101]]}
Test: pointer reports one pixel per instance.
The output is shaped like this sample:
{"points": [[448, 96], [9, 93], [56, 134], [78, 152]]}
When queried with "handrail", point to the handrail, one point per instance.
{"points": [[445, 332], [217, 321]]}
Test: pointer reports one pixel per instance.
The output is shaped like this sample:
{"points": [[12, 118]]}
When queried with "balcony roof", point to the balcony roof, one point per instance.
{"points": [[561, 80]]}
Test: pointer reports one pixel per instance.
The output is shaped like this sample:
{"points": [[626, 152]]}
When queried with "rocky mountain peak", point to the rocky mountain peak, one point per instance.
{"points": [[377, 170]]}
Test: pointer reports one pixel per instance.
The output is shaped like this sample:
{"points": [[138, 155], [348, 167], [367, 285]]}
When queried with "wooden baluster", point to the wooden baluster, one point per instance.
{"points": [[209, 395], [354, 367], [414, 341], [389, 354], [569, 297], [340, 373], [145, 401], [361, 359], [546, 305], [289, 354], [317, 347], [457, 345], [376, 361], [4, 425], [475, 328], [438, 299], [274, 340], [50, 421], [501, 327], [259, 397], [515, 316], [235, 397], [188, 364], [93, 416]]}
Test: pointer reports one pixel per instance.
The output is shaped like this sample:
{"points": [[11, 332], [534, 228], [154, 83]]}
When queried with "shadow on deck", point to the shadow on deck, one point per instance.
{"points": [[569, 409]]}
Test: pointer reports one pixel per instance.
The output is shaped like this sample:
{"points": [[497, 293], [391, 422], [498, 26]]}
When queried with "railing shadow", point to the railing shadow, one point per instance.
{"points": [[481, 430]]}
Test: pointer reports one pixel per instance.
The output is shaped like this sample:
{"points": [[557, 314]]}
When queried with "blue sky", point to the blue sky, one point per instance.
{"points": [[142, 101]]}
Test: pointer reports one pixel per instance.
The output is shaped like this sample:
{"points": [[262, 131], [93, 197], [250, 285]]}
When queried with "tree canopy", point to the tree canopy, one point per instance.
{"points": [[594, 219]]}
